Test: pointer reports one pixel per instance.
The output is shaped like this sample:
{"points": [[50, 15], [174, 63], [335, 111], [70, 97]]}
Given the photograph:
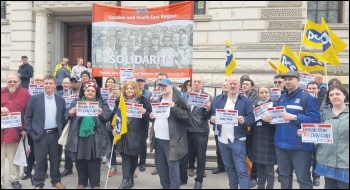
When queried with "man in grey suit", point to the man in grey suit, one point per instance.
{"points": [[44, 119]]}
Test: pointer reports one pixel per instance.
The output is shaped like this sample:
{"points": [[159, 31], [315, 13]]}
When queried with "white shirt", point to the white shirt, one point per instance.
{"points": [[161, 127], [227, 131], [50, 112]]}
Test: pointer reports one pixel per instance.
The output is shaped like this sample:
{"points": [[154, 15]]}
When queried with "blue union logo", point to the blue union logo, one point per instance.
{"points": [[326, 42], [311, 61], [313, 36], [289, 63], [229, 56]]}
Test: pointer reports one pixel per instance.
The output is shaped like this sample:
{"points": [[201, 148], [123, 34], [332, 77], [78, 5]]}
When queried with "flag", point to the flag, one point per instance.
{"points": [[119, 120], [329, 55], [312, 35], [230, 62], [280, 70], [288, 60], [338, 44], [311, 62]]}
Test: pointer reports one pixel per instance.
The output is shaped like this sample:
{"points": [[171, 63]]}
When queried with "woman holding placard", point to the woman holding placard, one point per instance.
{"points": [[129, 146], [264, 153], [88, 138]]}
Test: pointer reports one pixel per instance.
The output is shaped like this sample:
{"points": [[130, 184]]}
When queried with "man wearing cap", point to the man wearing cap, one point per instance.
{"points": [[291, 152], [25, 72], [147, 94], [169, 137]]}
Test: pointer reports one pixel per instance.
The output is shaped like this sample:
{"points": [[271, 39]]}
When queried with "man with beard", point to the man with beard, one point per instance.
{"points": [[13, 99]]}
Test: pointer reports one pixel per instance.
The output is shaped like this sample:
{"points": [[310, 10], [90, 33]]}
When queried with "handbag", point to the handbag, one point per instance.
{"points": [[249, 165], [64, 136]]}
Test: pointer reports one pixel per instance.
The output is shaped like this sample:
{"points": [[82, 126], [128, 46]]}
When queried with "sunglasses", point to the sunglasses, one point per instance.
{"points": [[279, 82], [12, 82]]}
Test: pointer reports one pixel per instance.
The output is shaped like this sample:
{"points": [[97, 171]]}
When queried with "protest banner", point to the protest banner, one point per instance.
{"points": [[11, 120], [105, 93], [157, 94], [261, 110], [275, 93], [111, 103], [85, 109], [69, 99], [35, 89], [276, 113], [228, 117], [197, 99], [126, 74], [133, 110], [304, 80], [317, 133], [161, 110], [146, 39]]}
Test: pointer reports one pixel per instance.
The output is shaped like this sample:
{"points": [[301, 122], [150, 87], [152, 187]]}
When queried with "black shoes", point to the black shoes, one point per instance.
{"points": [[142, 167], [16, 185], [66, 172], [126, 184], [316, 181], [198, 185], [25, 176], [217, 171]]}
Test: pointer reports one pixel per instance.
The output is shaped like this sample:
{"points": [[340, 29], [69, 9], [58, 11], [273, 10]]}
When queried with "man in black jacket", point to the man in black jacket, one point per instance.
{"points": [[25, 72]]}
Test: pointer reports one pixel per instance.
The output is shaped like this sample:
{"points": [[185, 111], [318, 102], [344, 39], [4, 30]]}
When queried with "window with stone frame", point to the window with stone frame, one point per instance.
{"points": [[331, 11], [3, 9], [199, 6]]}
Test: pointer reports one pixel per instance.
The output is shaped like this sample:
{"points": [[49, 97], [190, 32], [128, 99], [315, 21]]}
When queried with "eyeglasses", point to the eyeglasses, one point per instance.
{"points": [[12, 82], [39, 80], [279, 82]]}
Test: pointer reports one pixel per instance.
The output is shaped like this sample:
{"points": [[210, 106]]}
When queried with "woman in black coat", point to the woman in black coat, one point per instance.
{"points": [[264, 154], [130, 145]]}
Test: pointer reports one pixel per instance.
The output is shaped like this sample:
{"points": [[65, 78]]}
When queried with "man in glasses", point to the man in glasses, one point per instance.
{"points": [[25, 72], [39, 79], [278, 82], [13, 99]]}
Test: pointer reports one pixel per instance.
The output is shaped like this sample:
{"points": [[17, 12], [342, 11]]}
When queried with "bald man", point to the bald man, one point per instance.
{"points": [[323, 86]]}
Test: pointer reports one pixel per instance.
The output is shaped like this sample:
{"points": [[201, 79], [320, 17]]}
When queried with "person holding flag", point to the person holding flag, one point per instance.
{"points": [[128, 131], [88, 138]]}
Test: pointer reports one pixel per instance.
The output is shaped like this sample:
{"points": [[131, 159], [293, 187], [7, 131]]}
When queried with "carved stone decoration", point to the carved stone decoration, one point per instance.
{"points": [[284, 3], [284, 24], [293, 36], [281, 13]]}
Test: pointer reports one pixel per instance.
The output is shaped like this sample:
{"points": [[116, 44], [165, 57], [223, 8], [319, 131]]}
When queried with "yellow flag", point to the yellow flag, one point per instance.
{"points": [[289, 60], [280, 70], [311, 62], [312, 35], [120, 120], [230, 62], [338, 44], [329, 55]]}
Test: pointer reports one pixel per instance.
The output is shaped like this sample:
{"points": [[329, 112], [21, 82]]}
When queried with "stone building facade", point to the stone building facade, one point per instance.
{"points": [[257, 31]]}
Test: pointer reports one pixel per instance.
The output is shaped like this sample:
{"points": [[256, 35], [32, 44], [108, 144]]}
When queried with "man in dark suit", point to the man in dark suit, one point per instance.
{"points": [[45, 121]]}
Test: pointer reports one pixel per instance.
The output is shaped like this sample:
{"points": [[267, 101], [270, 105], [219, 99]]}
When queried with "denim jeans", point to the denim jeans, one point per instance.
{"points": [[168, 171], [300, 160], [234, 157]]}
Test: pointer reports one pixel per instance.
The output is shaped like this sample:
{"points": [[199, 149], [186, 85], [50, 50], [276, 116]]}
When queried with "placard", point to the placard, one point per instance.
{"points": [[35, 89], [111, 103], [317, 133], [105, 93], [69, 99], [304, 80], [157, 94], [86, 109], [261, 110], [242, 93], [197, 99], [11, 120], [161, 110], [228, 117], [133, 110], [276, 113], [126, 74], [275, 93]]}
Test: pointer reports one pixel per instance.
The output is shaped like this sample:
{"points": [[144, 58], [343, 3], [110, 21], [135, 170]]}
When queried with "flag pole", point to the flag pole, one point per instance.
{"points": [[109, 165], [326, 71], [301, 43]]}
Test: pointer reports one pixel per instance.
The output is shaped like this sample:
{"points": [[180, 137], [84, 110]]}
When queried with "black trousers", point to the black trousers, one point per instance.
{"points": [[89, 170], [48, 144], [31, 157], [249, 146], [143, 154], [265, 174], [183, 168], [129, 165], [199, 143], [219, 161]]}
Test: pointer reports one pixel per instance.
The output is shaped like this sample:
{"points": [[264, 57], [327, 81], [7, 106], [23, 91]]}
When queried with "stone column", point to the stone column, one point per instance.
{"points": [[40, 41]]}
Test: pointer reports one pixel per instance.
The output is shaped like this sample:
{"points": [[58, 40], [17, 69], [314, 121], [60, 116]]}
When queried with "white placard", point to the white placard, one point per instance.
{"points": [[261, 110], [228, 117], [197, 99], [111, 103], [105, 93], [126, 74], [157, 94], [276, 113], [304, 80], [275, 93], [161, 110], [317, 133], [133, 110], [11, 120], [85, 109], [69, 99], [35, 89]]}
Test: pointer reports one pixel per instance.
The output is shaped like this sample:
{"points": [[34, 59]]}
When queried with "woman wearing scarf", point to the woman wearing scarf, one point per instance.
{"points": [[129, 146], [264, 154], [88, 138]]}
